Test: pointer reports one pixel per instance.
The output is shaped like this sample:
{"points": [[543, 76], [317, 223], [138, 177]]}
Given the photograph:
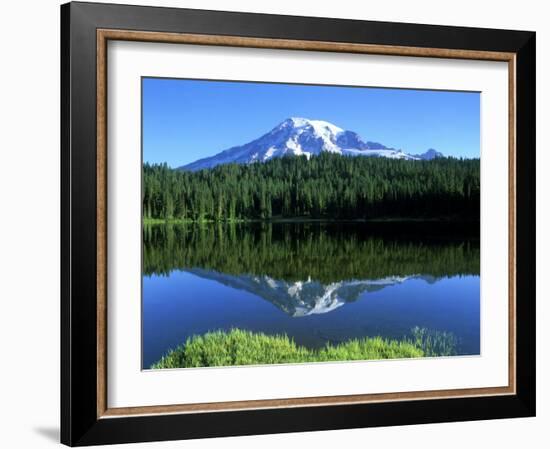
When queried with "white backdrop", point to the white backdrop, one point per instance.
{"points": [[29, 229]]}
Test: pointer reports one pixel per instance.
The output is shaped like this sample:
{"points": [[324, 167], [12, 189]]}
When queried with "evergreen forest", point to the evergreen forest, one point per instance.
{"points": [[327, 186]]}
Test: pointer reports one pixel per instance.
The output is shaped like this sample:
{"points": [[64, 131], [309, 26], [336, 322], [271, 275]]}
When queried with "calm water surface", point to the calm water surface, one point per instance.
{"points": [[318, 283]]}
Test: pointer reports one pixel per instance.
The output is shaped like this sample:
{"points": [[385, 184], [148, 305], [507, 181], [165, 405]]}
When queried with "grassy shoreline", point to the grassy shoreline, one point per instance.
{"points": [[240, 347], [155, 221]]}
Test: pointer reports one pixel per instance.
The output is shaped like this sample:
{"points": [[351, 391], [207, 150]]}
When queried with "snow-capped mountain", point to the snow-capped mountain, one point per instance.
{"points": [[301, 136]]}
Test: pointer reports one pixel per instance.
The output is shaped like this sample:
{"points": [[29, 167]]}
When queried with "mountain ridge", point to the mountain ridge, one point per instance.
{"points": [[298, 136]]}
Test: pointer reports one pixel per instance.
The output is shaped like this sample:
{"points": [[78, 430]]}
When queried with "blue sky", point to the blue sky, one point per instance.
{"points": [[185, 120]]}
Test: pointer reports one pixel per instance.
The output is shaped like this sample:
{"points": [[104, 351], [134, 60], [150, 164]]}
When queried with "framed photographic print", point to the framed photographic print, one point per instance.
{"points": [[276, 224]]}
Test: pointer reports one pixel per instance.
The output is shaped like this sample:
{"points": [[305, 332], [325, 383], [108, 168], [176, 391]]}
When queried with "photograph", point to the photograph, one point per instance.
{"points": [[296, 223]]}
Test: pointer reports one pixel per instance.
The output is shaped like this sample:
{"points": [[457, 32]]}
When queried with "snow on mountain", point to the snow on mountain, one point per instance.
{"points": [[300, 136]]}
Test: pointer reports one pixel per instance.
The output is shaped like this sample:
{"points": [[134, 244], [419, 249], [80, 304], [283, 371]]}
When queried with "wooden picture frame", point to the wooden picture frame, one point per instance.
{"points": [[86, 28]]}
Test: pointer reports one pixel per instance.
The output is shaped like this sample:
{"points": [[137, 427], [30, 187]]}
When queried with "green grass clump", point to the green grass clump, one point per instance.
{"points": [[240, 347], [434, 343]]}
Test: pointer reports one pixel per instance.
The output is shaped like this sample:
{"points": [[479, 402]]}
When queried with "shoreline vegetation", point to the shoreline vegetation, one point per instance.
{"points": [[147, 221], [240, 347]]}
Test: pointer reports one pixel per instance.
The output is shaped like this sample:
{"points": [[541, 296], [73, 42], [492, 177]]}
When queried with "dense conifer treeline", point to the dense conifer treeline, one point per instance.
{"points": [[326, 186]]}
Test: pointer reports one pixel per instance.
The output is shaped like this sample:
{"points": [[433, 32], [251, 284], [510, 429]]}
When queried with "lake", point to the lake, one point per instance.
{"points": [[317, 282]]}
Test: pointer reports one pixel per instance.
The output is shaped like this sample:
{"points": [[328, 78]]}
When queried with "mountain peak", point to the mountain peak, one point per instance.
{"points": [[299, 136], [319, 126], [430, 154]]}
